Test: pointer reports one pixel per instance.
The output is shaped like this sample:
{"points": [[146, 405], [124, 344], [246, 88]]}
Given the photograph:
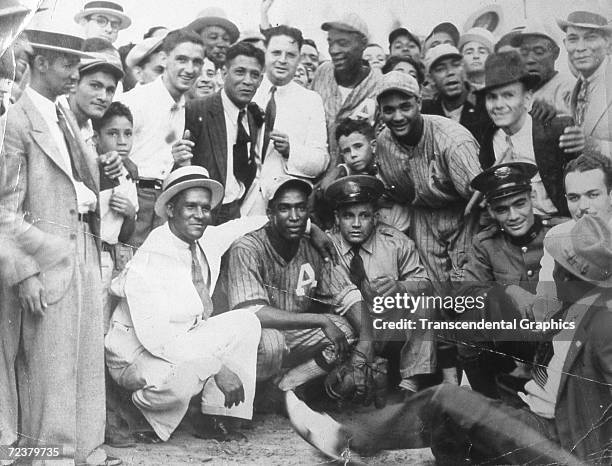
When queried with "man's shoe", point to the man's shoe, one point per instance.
{"points": [[217, 428], [320, 430], [147, 436]]}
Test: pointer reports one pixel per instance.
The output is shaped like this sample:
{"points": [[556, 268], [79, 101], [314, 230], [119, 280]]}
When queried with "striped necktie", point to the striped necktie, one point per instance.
{"points": [[581, 102], [201, 286], [544, 354]]}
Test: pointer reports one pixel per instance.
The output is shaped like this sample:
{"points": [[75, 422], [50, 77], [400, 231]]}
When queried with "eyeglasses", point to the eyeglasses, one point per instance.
{"points": [[103, 21]]}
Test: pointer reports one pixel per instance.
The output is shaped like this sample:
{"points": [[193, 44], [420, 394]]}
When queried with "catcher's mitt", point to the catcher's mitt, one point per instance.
{"points": [[359, 381]]}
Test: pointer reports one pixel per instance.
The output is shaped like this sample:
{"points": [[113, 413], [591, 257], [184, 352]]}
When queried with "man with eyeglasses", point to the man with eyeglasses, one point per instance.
{"points": [[540, 50], [102, 19]]}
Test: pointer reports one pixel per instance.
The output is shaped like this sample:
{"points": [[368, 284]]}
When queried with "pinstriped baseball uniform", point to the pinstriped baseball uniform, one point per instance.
{"points": [[255, 273], [434, 177]]}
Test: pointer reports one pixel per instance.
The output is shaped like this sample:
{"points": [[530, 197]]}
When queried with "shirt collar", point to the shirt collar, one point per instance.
{"points": [[229, 107], [44, 105], [266, 86], [177, 243], [164, 94]]}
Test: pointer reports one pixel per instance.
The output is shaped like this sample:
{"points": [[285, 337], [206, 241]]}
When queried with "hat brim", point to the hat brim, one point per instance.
{"points": [[517, 39], [441, 57], [134, 60], [563, 24], [530, 81], [55, 48], [465, 38], [338, 26], [395, 89], [200, 23], [126, 22], [215, 188], [557, 247], [14, 10], [103, 65]]}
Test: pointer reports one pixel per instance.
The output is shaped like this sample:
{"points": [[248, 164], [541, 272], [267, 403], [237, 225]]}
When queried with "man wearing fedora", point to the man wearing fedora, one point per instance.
{"points": [[50, 186], [560, 416], [163, 345], [102, 19], [588, 36], [539, 47], [516, 136], [347, 84], [217, 32], [454, 98], [506, 253], [381, 261]]}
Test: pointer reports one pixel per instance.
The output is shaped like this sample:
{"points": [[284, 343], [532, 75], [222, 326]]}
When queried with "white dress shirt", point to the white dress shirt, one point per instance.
{"points": [[300, 115], [159, 122], [86, 199], [234, 189], [522, 143]]}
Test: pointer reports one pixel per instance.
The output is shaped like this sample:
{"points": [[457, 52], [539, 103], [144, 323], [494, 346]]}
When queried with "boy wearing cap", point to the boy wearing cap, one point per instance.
{"points": [[504, 254], [402, 43], [587, 40], [47, 174], [346, 84], [516, 136], [381, 261], [475, 46], [455, 98], [310, 312]]}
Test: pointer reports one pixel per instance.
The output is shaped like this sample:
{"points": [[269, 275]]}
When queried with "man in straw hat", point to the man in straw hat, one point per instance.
{"points": [[50, 186], [163, 345], [102, 19], [561, 416], [587, 40], [217, 33], [515, 136]]}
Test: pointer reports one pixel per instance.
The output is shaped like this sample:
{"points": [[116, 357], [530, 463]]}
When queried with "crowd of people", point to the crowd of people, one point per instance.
{"points": [[219, 214]]}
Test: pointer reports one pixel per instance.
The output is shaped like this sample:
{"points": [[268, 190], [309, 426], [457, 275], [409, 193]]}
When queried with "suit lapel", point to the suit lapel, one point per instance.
{"points": [[217, 135]]}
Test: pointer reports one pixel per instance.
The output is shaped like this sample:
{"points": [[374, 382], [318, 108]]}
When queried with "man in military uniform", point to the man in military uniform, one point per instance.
{"points": [[382, 262], [504, 255]]}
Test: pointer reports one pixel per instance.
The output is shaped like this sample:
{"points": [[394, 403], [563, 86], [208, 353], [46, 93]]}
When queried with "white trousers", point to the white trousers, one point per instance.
{"points": [[162, 390]]}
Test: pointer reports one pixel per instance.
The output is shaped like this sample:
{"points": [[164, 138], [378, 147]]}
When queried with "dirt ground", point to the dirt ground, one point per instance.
{"points": [[271, 441]]}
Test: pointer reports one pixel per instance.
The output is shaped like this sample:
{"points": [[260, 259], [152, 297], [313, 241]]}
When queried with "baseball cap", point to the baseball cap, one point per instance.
{"points": [[480, 35], [448, 28], [398, 81], [438, 52], [403, 32], [349, 22], [270, 189]]}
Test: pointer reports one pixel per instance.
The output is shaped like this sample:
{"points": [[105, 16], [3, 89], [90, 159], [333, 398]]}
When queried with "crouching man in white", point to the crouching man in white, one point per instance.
{"points": [[162, 344]]}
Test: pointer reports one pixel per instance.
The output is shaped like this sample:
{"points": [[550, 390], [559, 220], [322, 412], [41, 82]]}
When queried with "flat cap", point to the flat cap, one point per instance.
{"points": [[503, 180]]}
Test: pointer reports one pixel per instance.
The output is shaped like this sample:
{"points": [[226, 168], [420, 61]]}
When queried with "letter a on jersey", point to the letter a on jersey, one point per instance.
{"points": [[306, 280]]}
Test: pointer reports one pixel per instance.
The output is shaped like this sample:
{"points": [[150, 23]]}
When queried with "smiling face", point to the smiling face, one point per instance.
{"points": [[403, 46], [400, 112], [345, 49], [309, 57], [282, 59], [474, 56], [448, 76], [586, 48], [183, 66], [514, 214], [288, 213], [508, 105], [375, 56], [205, 84], [356, 222], [587, 193], [189, 214], [116, 134], [216, 41], [242, 78], [94, 93]]}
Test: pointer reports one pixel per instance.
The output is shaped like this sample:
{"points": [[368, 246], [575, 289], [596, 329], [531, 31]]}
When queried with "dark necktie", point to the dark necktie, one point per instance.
{"points": [[581, 102], [241, 152], [197, 277], [269, 121], [544, 354], [71, 143], [357, 272]]}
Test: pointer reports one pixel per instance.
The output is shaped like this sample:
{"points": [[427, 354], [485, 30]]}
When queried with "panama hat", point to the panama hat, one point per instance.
{"points": [[214, 16], [104, 8]]}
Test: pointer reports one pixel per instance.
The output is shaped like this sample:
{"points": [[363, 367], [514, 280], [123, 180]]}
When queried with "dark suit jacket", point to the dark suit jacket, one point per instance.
{"points": [[583, 412], [205, 119], [474, 114], [549, 158]]}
